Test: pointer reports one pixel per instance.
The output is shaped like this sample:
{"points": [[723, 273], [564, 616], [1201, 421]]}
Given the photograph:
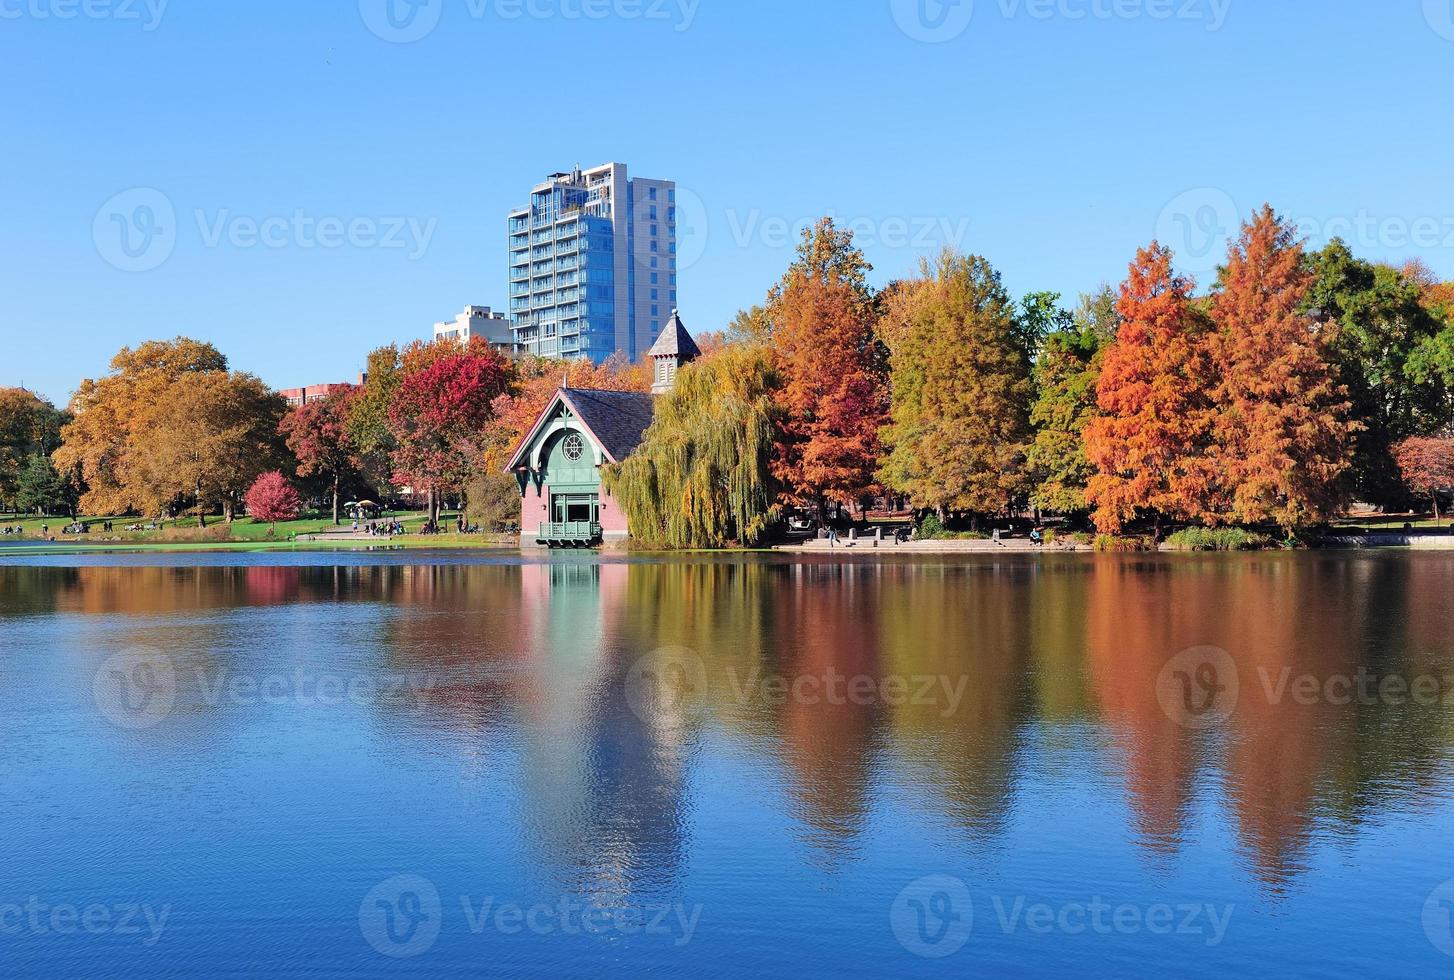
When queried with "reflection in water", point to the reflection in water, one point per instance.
{"points": [[968, 665]]}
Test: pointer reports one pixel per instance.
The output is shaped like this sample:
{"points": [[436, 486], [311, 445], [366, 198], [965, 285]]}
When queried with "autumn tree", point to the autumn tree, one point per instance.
{"points": [[272, 498], [1427, 466], [1066, 375], [368, 415], [317, 433], [439, 414], [703, 475], [960, 390], [821, 322], [1283, 437], [206, 439], [1151, 443], [104, 441]]}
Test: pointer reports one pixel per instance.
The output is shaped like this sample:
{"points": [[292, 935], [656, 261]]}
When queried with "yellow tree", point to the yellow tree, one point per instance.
{"points": [[102, 441], [961, 390], [207, 438]]}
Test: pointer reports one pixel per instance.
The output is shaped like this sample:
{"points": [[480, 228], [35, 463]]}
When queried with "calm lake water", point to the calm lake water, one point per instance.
{"points": [[406, 764]]}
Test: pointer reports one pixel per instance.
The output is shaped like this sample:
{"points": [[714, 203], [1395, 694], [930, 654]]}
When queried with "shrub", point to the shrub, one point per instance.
{"points": [[1218, 539], [931, 528], [1116, 544]]}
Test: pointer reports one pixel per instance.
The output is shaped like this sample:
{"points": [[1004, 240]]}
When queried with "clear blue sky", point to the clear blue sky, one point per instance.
{"points": [[1053, 136]]}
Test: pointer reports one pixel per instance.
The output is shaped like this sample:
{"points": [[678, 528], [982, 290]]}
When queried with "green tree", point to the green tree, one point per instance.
{"points": [[1040, 315], [960, 390], [368, 415], [702, 476], [1067, 371], [29, 426], [42, 491], [1387, 355]]}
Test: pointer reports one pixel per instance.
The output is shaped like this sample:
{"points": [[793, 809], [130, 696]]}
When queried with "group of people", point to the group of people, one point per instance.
{"points": [[382, 529]]}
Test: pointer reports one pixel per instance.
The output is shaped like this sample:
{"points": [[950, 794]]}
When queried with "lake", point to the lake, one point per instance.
{"points": [[328, 765]]}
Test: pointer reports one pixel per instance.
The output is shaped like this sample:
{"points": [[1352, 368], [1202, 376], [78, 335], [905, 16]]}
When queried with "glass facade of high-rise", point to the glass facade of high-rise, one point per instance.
{"points": [[593, 264]]}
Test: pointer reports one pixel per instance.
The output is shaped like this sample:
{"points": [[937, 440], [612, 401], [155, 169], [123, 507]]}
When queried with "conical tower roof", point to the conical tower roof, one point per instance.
{"points": [[676, 342]]}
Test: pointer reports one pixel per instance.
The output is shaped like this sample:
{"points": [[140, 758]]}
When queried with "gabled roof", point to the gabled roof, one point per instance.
{"points": [[676, 342], [615, 420]]}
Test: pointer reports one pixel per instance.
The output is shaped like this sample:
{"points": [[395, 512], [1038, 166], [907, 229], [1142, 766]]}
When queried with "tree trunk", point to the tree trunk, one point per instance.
{"points": [[201, 516], [433, 506], [229, 509], [336, 521]]}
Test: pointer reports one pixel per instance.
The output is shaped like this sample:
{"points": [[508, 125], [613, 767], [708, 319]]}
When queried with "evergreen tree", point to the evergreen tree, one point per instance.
{"points": [[1066, 375], [42, 491]]}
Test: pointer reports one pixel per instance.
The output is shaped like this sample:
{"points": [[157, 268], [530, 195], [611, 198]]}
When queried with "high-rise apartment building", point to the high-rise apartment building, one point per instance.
{"points": [[593, 264]]}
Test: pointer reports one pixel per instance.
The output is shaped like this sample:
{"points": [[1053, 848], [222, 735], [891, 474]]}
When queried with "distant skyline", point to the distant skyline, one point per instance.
{"points": [[298, 184]]}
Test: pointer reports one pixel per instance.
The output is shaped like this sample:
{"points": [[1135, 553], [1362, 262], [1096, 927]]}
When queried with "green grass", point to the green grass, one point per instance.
{"points": [[183, 534]]}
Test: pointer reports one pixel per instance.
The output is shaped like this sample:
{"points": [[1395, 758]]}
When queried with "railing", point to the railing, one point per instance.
{"points": [[570, 532]]}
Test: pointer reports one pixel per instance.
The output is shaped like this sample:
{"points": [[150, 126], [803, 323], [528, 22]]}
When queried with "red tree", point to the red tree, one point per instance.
{"points": [[272, 498], [1152, 446], [317, 433], [440, 411], [1427, 466], [1283, 435]]}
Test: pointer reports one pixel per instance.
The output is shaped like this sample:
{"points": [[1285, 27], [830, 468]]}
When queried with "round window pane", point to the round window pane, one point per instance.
{"points": [[575, 448]]}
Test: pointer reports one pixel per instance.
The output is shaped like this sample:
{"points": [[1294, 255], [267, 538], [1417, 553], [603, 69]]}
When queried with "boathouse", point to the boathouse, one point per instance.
{"points": [[558, 464]]}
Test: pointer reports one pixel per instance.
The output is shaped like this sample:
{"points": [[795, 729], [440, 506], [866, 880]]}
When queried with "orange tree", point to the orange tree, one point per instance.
{"points": [[1283, 436], [834, 395], [1152, 443]]}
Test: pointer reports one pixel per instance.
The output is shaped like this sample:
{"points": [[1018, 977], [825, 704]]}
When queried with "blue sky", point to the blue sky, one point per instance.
{"points": [[318, 183]]}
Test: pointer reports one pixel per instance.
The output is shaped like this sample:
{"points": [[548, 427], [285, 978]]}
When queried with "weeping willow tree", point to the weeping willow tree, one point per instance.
{"points": [[701, 476]]}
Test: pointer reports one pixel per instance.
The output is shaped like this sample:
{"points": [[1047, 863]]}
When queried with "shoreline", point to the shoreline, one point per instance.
{"points": [[862, 549]]}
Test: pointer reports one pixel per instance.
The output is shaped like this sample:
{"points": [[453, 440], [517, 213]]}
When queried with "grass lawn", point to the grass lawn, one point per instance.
{"points": [[183, 533]]}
